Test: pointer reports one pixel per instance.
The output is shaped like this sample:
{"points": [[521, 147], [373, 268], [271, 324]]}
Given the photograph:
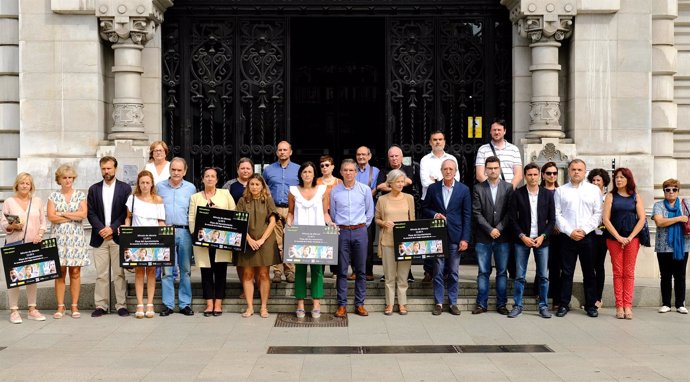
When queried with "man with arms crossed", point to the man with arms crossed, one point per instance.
{"points": [[532, 217], [176, 193], [352, 210], [578, 214], [279, 176], [106, 213], [449, 200]]}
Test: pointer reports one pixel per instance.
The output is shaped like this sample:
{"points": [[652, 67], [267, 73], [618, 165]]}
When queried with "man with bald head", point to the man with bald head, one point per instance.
{"points": [[279, 176], [367, 174]]}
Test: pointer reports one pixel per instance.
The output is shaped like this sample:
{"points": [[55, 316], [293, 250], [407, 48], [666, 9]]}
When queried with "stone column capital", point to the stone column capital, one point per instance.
{"points": [[539, 20], [130, 20]]}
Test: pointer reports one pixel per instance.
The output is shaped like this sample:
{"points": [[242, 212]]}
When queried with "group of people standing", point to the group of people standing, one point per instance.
{"points": [[558, 224]]}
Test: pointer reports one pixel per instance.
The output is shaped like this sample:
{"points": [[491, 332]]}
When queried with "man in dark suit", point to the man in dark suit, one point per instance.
{"points": [[449, 200], [532, 218], [106, 213], [490, 203]]}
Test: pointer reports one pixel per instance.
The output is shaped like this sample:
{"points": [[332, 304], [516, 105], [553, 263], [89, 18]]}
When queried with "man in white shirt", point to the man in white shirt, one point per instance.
{"points": [[578, 213], [106, 213], [430, 173]]}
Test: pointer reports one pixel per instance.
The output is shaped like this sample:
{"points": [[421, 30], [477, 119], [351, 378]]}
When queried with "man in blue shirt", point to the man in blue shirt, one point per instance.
{"points": [[176, 193], [367, 174], [352, 210], [279, 176]]}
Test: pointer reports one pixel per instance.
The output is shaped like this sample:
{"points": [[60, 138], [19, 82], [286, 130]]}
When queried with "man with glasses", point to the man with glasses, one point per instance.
{"points": [[279, 176], [578, 214]]}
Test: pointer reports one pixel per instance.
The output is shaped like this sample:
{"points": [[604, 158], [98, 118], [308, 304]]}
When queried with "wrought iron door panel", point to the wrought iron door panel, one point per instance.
{"points": [[262, 64]]}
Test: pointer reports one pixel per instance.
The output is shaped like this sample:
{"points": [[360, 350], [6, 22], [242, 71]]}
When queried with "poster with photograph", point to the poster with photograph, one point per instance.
{"points": [[31, 263], [420, 239], [222, 229], [147, 246], [311, 244]]}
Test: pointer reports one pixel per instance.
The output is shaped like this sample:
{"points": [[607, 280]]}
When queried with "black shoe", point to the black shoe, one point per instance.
{"points": [[383, 279], [478, 309], [166, 312], [454, 310], [98, 312], [502, 310], [208, 313], [187, 311], [438, 309], [123, 312], [217, 313], [592, 312], [562, 311]]}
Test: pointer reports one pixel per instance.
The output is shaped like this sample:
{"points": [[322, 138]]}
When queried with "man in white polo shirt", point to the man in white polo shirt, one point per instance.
{"points": [[509, 154]]}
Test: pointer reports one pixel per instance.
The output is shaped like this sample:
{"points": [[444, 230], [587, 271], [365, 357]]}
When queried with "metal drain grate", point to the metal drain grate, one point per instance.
{"points": [[289, 320], [412, 349]]}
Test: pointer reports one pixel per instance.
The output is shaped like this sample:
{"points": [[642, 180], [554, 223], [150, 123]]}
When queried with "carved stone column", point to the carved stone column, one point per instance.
{"points": [[545, 23], [129, 25]]}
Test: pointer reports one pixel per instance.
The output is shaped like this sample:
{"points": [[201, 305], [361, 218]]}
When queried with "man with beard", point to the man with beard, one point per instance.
{"points": [[106, 213]]}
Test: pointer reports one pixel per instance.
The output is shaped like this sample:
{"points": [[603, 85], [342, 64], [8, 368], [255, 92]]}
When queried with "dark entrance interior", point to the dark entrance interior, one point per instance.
{"points": [[337, 87]]}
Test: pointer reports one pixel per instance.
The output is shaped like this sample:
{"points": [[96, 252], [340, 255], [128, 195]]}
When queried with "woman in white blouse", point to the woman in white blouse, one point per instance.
{"points": [[144, 209], [158, 164]]}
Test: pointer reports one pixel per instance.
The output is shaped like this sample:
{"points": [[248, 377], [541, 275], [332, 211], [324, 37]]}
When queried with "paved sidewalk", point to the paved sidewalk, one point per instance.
{"points": [[651, 347]]}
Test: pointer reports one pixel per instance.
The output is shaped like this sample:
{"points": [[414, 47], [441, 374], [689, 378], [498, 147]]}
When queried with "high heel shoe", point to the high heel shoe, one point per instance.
{"points": [[248, 313], [75, 313], [628, 314], [149, 312], [139, 313], [620, 314], [60, 312]]}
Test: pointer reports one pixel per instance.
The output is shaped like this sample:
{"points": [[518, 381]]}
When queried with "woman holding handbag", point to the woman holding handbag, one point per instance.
{"points": [[30, 225], [671, 247], [624, 218]]}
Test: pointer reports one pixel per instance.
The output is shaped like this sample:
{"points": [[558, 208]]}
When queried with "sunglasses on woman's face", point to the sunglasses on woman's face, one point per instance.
{"points": [[669, 190], [325, 164], [551, 173]]}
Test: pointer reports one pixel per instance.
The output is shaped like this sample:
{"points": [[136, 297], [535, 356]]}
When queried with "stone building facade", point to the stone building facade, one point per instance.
{"points": [[602, 80]]}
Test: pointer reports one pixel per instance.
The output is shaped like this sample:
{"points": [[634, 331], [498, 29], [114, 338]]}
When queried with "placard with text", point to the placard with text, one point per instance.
{"points": [[31, 263], [311, 244], [221, 229], [147, 246], [420, 239]]}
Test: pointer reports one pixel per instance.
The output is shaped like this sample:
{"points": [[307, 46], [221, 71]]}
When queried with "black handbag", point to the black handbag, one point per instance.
{"points": [[643, 236]]}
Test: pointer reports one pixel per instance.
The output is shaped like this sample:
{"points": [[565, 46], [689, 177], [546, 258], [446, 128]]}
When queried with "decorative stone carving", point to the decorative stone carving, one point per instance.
{"points": [[535, 28], [549, 154], [544, 113], [129, 115], [139, 30]]}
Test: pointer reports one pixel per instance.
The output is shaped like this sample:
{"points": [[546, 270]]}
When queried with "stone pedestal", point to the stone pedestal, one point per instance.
{"points": [[131, 158]]}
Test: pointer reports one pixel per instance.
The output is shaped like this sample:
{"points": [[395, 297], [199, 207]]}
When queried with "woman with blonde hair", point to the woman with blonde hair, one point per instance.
{"points": [[262, 248], [145, 209], [66, 211], [392, 207], [29, 226]]}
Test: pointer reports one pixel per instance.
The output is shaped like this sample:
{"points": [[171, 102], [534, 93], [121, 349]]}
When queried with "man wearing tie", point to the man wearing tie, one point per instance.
{"points": [[449, 200]]}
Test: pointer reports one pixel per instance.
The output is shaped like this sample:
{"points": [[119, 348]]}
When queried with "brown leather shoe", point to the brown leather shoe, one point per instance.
{"points": [[361, 311], [370, 277], [352, 276], [427, 278], [341, 312]]}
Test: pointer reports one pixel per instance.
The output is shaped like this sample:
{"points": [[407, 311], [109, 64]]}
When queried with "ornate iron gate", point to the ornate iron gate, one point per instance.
{"points": [[226, 74]]}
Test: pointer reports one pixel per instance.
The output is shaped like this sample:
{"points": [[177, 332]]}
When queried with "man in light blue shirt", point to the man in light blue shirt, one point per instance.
{"points": [[279, 176], [176, 193], [352, 210]]}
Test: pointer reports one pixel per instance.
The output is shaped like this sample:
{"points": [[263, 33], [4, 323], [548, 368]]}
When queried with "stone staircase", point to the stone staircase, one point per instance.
{"points": [[281, 300]]}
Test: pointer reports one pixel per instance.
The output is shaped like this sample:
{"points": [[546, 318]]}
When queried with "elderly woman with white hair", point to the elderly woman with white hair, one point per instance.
{"points": [[393, 207]]}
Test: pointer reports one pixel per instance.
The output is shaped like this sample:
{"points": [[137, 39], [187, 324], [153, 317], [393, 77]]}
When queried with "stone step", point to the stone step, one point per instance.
{"points": [[420, 297]]}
